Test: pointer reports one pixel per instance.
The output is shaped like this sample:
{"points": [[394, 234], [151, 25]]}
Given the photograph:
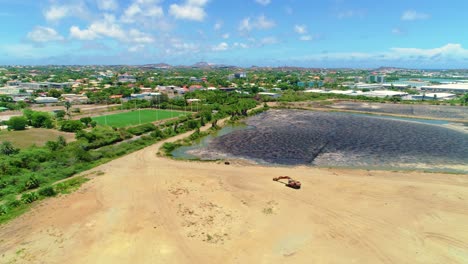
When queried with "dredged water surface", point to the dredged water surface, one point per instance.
{"points": [[294, 137]]}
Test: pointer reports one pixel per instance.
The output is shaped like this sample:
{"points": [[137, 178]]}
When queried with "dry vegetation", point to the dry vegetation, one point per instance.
{"points": [[31, 136]]}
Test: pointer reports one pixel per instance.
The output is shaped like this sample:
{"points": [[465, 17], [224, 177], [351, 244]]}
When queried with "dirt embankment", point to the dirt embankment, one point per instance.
{"points": [[149, 209]]}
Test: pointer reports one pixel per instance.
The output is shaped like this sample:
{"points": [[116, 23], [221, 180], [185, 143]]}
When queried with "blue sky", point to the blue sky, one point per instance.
{"points": [[328, 33]]}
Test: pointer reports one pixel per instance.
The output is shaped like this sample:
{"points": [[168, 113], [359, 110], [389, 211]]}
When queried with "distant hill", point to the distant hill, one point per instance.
{"points": [[157, 66], [202, 64]]}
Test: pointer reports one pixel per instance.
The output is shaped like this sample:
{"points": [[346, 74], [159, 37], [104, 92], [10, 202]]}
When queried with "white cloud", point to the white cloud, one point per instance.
{"points": [[261, 23], [155, 11], [268, 41], [264, 23], [306, 38], [240, 45], [447, 53], [245, 24], [218, 25], [136, 48], [137, 36], [85, 34], [55, 13], [300, 29], [44, 34], [107, 5], [410, 15], [190, 10], [133, 10], [197, 2], [398, 31], [176, 47], [263, 2], [221, 47], [225, 36], [108, 27], [140, 10], [449, 50]]}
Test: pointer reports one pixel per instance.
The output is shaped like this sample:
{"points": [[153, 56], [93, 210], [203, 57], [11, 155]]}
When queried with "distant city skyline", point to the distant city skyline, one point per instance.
{"points": [[326, 34]]}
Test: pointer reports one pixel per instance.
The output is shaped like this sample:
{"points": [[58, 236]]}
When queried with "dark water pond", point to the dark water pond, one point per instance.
{"points": [[296, 137]]}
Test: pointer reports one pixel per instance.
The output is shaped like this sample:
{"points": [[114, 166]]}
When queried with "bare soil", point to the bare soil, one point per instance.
{"points": [[150, 209]]}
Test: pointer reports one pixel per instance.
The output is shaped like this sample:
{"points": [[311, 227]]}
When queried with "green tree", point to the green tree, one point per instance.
{"points": [[17, 123], [41, 119], [86, 120], [54, 93], [71, 125]]}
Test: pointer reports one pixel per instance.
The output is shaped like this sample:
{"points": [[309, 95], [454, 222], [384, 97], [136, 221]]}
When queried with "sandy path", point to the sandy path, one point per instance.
{"points": [[148, 209]]}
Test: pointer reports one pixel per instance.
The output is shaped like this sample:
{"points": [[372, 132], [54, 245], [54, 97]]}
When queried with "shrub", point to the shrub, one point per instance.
{"points": [[86, 120], [6, 148], [71, 125], [17, 123], [3, 209], [192, 124], [31, 183], [169, 146], [60, 114], [157, 133], [13, 203], [141, 129], [28, 198], [47, 191]]}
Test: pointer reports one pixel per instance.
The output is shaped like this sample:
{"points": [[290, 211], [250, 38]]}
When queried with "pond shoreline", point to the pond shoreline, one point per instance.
{"points": [[181, 154]]}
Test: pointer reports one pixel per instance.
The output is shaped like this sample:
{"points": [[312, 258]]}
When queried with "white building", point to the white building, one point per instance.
{"points": [[400, 86], [369, 86], [272, 95], [127, 78], [457, 88], [384, 93], [434, 96], [46, 100]]}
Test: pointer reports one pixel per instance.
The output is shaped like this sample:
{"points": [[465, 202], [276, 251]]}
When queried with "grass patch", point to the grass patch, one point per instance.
{"points": [[71, 185], [15, 208], [33, 136], [136, 117]]}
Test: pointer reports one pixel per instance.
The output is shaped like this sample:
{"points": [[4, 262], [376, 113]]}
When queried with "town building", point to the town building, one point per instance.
{"points": [[433, 96], [126, 78], [46, 100], [272, 95], [457, 88]]}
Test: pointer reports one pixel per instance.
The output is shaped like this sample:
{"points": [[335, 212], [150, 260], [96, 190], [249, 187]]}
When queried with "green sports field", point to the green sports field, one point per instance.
{"points": [[136, 117]]}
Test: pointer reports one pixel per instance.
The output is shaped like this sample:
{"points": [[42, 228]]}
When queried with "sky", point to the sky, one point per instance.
{"points": [[326, 34]]}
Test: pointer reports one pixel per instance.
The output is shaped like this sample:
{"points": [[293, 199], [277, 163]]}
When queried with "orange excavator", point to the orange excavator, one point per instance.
{"points": [[291, 183]]}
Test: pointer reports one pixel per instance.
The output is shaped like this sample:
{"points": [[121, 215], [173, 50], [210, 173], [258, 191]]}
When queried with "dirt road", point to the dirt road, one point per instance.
{"points": [[148, 209]]}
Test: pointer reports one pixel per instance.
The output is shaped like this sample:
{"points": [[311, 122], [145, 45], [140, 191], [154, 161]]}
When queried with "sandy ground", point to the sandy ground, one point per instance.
{"points": [[149, 209]]}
